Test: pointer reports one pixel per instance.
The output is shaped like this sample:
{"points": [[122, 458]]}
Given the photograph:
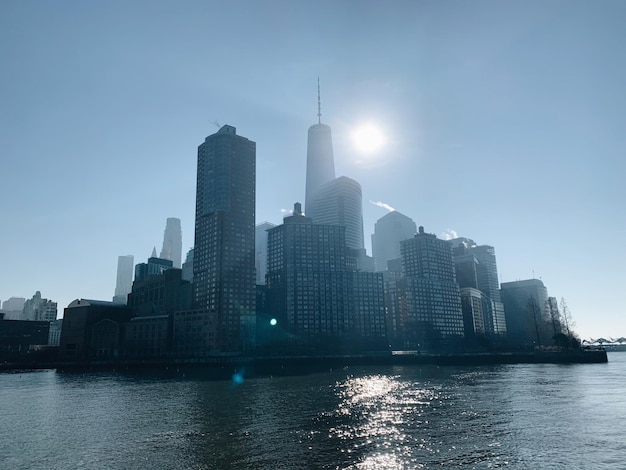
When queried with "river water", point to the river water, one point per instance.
{"points": [[502, 416]]}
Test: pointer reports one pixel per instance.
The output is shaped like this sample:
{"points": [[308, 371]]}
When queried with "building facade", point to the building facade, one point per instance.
{"points": [[223, 267], [319, 299], [260, 251], [39, 309], [389, 231], [524, 307], [153, 267], [172, 242], [340, 202], [124, 283], [435, 318]]}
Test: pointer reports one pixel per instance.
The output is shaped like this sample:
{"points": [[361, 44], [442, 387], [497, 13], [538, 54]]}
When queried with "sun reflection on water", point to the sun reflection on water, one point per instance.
{"points": [[373, 416]]}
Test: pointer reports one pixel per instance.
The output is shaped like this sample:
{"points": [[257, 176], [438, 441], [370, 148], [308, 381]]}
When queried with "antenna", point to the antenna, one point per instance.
{"points": [[216, 124], [319, 103]]}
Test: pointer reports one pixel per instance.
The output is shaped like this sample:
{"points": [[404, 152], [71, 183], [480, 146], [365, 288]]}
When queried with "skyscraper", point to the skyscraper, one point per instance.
{"points": [[330, 200], [339, 202], [260, 251], [389, 231], [516, 297], [320, 162], [435, 318], [316, 295], [172, 242], [223, 267], [124, 282]]}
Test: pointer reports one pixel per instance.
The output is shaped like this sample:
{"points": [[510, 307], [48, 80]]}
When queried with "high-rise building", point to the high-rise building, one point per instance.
{"points": [[435, 318], [320, 161], [389, 231], [313, 289], [124, 282], [524, 304], [13, 308], [476, 268], [330, 200], [339, 202], [39, 309], [223, 267], [260, 251], [172, 242]]}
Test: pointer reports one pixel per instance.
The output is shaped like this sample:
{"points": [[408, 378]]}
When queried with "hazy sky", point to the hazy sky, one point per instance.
{"points": [[506, 124]]}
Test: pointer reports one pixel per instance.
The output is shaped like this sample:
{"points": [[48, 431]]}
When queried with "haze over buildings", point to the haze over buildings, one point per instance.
{"points": [[488, 135], [172, 242]]}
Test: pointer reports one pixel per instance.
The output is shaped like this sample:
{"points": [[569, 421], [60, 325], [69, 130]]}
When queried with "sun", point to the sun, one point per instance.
{"points": [[368, 138]]}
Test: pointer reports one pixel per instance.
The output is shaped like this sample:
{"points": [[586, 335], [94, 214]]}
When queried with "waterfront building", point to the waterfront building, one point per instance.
{"points": [[389, 231], [54, 334], [476, 268], [223, 268], [319, 299], [435, 318], [172, 242], [124, 281], [93, 329], [195, 332], [520, 321], [260, 251], [473, 303], [148, 336], [17, 337]]}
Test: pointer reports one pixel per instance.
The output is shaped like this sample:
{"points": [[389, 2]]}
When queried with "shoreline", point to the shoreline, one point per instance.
{"points": [[294, 365]]}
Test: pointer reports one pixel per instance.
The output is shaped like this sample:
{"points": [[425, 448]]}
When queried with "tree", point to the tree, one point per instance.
{"points": [[566, 316], [535, 313], [555, 316]]}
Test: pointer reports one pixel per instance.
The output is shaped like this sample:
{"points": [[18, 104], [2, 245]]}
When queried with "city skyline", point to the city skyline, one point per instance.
{"points": [[503, 126]]}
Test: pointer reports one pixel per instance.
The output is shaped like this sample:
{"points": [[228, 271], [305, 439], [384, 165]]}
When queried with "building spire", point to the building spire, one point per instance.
{"points": [[319, 103]]}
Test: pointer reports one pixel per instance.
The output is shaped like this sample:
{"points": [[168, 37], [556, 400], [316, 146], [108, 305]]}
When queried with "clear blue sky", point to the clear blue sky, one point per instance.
{"points": [[506, 124]]}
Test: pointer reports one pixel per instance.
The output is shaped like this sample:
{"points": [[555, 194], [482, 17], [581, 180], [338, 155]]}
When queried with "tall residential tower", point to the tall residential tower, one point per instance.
{"points": [[223, 265]]}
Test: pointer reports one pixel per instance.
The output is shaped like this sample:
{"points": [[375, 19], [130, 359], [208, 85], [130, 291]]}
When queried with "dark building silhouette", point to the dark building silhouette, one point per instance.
{"points": [[93, 329], [223, 265], [316, 295], [153, 266], [434, 316], [160, 293], [476, 268], [518, 298], [148, 336], [17, 337]]}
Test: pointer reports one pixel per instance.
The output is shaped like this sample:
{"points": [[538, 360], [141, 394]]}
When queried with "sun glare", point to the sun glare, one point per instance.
{"points": [[368, 138]]}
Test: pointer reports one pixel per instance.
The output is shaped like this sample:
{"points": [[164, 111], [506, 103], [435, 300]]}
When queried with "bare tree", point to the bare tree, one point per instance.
{"points": [[555, 316], [566, 316], [533, 309]]}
